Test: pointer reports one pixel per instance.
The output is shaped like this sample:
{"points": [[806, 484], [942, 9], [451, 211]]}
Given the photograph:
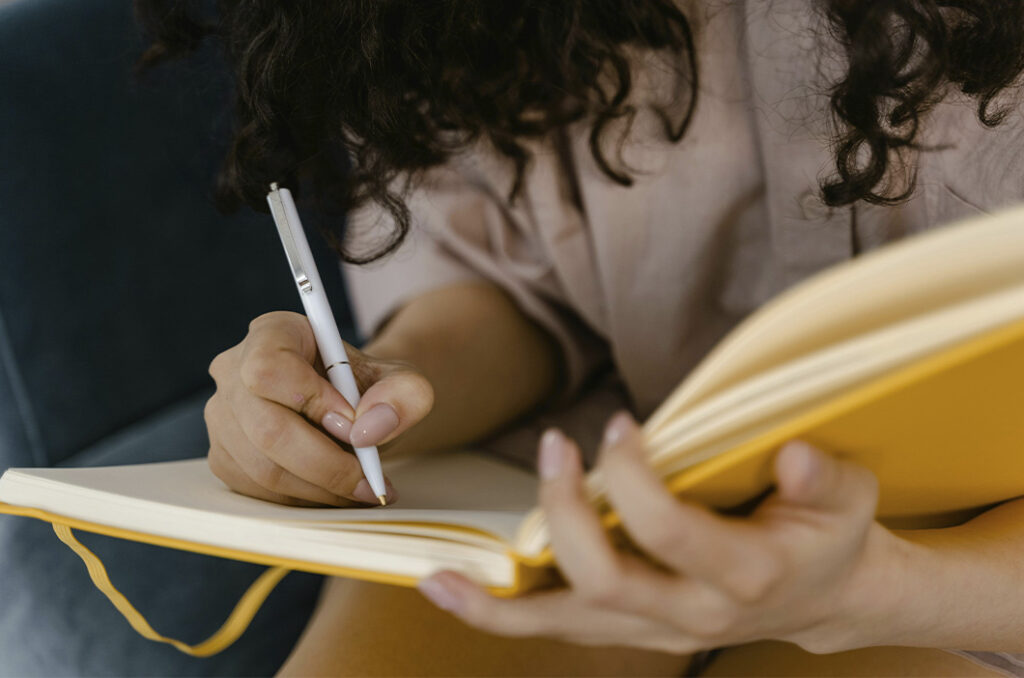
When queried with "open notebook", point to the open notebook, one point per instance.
{"points": [[909, 360], [457, 510]]}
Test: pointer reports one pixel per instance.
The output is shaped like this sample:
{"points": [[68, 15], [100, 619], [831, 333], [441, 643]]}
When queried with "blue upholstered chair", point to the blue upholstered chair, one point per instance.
{"points": [[118, 283]]}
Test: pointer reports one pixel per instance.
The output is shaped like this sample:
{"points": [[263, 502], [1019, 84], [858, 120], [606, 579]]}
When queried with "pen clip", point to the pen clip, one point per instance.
{"points": [[291, 248]]}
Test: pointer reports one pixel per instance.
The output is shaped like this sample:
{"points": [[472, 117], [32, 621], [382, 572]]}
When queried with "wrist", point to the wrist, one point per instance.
{"points": [[871, 604]]}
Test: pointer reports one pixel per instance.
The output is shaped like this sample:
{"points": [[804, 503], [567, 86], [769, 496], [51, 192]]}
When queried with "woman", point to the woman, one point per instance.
{"points": [[584, 196]]}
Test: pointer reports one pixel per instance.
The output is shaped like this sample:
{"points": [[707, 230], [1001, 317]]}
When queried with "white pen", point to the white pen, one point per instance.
{"points": [[321, 319]]}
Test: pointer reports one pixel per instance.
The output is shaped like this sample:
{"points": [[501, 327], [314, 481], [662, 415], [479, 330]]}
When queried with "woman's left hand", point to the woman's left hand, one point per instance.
{"points": [[805, 567]]}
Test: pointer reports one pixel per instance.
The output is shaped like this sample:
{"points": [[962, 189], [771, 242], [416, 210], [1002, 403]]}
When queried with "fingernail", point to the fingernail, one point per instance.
{"points": [[363, 493], [618, 428], [807, 461], [440, 594], [552, 454], [338, 426], [374, 425]]}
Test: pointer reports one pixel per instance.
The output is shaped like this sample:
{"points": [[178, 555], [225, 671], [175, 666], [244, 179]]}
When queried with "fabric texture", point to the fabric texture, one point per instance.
{"points": [[648, 278]]}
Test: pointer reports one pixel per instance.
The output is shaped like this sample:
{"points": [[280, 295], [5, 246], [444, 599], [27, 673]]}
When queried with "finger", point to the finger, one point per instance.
{"points": [[228, 471], [277, 364], [398, 399], [810, 478], [262, 471], [724, 553], [287, 439], [273, 477], [597, 572], [581, 547], [560, 614]]}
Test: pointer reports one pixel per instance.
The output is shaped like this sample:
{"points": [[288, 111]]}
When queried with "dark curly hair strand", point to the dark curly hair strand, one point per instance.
{"points": [[353, 95]]}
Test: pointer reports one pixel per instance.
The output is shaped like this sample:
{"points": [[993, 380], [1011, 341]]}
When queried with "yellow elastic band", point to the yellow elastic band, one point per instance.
{"points": [[235, 625]]}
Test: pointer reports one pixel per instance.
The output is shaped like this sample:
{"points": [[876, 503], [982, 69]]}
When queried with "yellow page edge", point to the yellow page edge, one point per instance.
{"points": [[794, 427], [523, 578]]}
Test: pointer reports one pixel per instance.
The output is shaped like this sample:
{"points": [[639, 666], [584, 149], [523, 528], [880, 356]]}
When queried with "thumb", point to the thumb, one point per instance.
{"points": [[398, 397], [809, 477]]}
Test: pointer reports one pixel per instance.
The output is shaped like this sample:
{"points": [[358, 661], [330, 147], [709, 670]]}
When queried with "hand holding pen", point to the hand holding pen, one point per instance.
{"points": [[275, 419], [325, 330]]}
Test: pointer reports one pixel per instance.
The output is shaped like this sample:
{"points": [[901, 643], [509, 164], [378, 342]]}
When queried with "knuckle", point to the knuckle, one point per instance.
{"points": [[341, 481], [717, 623], [602, 587], [422, 390], [760, 576], [750, 585], [259, 372], [268, 475], [260, 322], [268, 431], [217, 366], [216, 463]]}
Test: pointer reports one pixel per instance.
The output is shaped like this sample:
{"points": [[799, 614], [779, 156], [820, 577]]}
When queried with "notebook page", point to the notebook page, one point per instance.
{"points": [[838, 367], [460, 489], [977, 256]]}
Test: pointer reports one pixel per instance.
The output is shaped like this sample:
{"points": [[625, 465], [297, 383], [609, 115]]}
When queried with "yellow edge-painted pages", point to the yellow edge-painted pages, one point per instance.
{"points": [[943, 434], [522, 576]]}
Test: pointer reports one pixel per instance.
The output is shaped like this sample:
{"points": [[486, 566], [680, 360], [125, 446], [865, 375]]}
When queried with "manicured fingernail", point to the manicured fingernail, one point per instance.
{"points": [[363, 493], [374, 425], [552, 454], [620, 426], [338, 426], [808, 461], [439, 594]]}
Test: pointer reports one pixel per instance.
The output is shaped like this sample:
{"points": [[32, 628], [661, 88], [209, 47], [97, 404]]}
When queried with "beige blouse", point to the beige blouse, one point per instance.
{"points": [[646, 279]]}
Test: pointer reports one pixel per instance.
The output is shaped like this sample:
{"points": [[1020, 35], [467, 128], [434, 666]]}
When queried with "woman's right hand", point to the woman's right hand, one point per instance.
{"points": [[275, 420]]}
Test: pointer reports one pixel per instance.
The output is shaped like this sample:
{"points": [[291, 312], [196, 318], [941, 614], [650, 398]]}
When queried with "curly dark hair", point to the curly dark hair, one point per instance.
{"points": [[354, 94]]}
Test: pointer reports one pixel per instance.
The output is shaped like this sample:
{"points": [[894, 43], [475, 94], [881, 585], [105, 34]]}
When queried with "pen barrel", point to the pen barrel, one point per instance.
{"points": [[369, 461], [321, 318], [341, 377]]}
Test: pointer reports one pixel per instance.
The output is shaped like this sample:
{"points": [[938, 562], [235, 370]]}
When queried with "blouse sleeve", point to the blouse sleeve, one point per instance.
{"points": [[378, 289], [462, 229]]}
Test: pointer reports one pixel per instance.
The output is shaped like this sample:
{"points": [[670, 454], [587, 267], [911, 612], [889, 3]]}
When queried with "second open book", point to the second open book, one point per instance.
{"points": [[909, 360]]}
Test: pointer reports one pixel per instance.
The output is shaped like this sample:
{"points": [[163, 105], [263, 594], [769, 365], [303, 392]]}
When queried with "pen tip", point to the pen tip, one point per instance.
{"points": [[382, 499]]}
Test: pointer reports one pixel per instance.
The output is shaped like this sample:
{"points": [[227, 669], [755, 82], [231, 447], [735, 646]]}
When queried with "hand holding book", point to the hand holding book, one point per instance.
{"points": [[803, 567]]}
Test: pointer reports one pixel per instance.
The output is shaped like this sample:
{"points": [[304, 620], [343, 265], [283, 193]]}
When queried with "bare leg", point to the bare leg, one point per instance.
{"points": [[770, 659], [364, 629]]}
